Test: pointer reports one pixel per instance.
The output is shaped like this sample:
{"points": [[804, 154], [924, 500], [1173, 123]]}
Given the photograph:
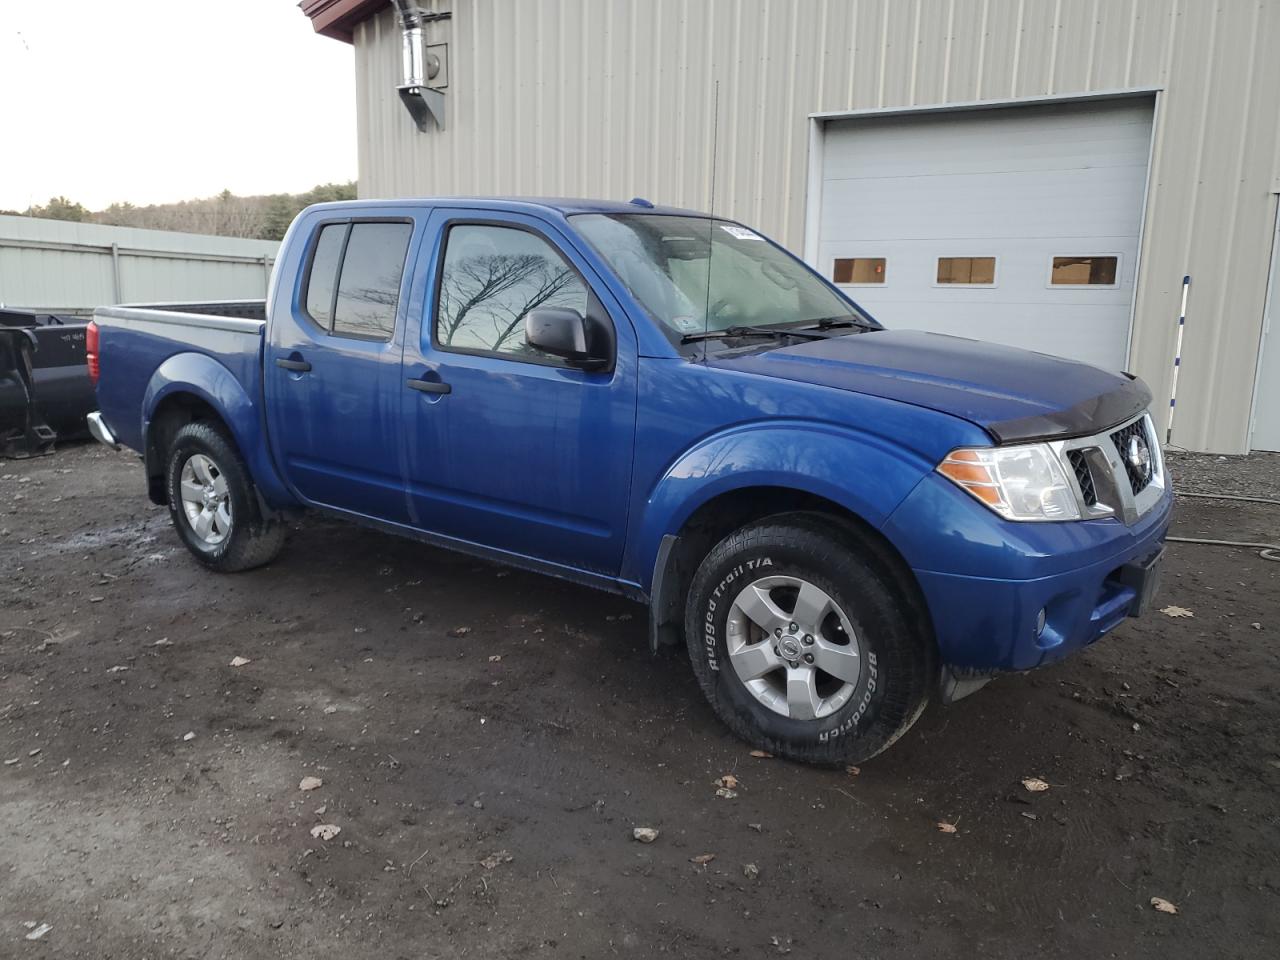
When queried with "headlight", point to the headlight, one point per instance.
{"points": [[1019, 483]]}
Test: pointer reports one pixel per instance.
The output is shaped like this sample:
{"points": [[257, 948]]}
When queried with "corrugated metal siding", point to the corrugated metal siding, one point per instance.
{"points": [[613, 98], [63, 267]]}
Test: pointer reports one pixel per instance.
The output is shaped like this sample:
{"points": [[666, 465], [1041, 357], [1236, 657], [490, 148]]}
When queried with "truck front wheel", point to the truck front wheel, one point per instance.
{"points": [[213, 504], [805, 647]]}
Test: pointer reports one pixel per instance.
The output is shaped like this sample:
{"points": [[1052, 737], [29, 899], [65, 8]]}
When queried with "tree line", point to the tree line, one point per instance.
{"points": [[263, 217]]}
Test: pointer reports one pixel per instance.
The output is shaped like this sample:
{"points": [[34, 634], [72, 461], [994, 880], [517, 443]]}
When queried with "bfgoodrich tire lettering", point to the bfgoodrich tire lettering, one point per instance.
{"points": [[238, 536], [883, 659]]}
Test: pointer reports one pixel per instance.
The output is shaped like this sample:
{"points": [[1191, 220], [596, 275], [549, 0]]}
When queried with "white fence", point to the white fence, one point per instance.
{"points": [[56, 266]]}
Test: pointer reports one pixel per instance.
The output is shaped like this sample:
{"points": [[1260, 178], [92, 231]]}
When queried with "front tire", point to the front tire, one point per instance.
{"points": [[806, 643], [213, 503]]}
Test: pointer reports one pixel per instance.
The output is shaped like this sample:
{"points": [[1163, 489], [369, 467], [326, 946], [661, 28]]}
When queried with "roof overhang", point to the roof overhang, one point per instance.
{"points": [[338, 18]]}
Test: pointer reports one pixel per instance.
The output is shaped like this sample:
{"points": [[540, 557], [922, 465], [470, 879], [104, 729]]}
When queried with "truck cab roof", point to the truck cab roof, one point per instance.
{"points": [[565, 206]]}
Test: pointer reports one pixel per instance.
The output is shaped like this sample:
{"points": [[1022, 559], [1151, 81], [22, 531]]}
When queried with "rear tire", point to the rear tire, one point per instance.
{"points": [[214, 505], [777, 603]]}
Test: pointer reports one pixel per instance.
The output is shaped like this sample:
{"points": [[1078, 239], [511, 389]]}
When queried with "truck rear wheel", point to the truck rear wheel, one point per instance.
{"points": [[213, 503], [805, 647]]}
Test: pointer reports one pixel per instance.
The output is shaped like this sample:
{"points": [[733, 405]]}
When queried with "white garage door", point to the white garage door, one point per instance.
{"points": [[1017, 225], [1266, 405]]}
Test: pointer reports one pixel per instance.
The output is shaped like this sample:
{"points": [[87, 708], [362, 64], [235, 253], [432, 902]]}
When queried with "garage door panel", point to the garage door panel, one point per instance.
{"points": [[994, 141], [1022, 273], [1022, 185], [1090, 336], [1010, 159], [1072, 203], [967, 129]]}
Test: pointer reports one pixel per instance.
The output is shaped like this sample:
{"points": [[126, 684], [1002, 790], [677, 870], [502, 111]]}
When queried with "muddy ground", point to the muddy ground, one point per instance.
{"points": [[487, 741]]}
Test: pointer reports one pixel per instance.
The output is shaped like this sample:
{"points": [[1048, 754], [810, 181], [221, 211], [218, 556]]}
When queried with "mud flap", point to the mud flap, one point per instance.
{"points": [[956, 683], [666, 612]]}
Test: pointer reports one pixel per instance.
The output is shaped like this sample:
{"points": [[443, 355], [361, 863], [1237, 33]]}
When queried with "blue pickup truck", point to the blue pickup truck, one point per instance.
{"points": [[838, 521]]}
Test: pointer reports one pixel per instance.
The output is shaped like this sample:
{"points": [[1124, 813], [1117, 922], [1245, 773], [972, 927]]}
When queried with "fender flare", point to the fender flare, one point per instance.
{"points": [[866, 474], [203, 377]]}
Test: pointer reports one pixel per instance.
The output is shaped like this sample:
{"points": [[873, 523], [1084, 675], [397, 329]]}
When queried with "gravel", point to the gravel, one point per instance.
{"points": [[1254, 475]]}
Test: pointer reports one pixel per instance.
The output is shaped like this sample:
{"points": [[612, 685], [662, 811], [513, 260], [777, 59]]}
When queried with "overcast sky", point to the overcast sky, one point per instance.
{"points": [[157, 100]]}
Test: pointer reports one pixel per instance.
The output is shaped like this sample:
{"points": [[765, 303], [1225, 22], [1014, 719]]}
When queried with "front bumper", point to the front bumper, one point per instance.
{"points": [[1084, 575]]}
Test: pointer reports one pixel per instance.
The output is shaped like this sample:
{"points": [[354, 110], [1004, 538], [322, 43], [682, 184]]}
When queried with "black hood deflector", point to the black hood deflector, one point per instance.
{"points": [[1085, 418]]}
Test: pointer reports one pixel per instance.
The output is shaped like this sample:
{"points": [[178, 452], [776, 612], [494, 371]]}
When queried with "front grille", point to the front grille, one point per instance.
{"points": [[1138, 480], [1084, 476]]}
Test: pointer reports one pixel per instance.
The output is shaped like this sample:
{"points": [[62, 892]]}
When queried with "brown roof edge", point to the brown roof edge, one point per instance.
{"points": [[338, 18]]}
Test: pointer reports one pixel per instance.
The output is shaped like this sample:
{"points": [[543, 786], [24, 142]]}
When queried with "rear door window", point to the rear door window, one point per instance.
{"points": [[369, 284], [323, 275], [353, 283]]}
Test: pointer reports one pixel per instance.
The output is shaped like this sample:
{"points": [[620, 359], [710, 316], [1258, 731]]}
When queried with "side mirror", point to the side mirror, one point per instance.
{"points": [[565, 333]]}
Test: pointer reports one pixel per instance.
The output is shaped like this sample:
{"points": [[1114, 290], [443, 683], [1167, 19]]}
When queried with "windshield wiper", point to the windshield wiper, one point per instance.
{"points": [[730, 333], [831, 323]]}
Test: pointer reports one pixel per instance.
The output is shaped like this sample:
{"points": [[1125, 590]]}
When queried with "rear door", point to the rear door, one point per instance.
{"points": [[332, 366], [508, 447]]}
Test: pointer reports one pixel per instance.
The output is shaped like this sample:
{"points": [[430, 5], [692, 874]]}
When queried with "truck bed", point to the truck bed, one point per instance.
{"points": [[232, 309], [145, 346]]}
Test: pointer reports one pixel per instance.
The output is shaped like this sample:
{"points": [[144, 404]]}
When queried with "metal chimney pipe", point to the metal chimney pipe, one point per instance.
{"points": [[411, 66], [424, 104]]}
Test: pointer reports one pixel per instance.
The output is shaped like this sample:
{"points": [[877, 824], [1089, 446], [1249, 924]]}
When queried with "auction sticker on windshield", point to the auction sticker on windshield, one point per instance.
{"points": [[742, 233]]}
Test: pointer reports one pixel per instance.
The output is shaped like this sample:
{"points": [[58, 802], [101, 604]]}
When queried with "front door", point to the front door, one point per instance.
{"points": [[509, 447], [332, 369]]}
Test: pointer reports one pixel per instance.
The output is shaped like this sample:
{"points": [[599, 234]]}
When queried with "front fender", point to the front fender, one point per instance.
{"points": [[201, 376], [864, 473]]}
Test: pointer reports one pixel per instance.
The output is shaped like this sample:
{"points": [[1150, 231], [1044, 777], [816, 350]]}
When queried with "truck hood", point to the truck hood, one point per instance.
{"points": [[1013, 394]]}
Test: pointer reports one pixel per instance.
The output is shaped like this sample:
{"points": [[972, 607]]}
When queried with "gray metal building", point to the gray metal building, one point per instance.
{"points": [[1039, 172], [56, 266]]}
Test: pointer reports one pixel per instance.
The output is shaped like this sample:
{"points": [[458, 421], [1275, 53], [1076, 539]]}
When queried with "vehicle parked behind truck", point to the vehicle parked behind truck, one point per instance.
{"points": [[839, 522], [45, 393]]}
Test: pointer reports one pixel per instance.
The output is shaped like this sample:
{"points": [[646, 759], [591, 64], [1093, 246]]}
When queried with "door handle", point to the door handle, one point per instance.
{"points": [[429, 386], [301, 366]]}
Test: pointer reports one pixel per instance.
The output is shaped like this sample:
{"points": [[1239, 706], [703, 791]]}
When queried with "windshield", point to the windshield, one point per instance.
{"points": [[665, 262]]}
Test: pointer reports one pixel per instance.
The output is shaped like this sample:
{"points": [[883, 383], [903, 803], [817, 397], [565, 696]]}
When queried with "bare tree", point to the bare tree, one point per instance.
{"points": [[551, 285], [257, 217], [501, 287]]}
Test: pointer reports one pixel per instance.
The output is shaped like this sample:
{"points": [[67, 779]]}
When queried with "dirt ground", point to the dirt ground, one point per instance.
{"points": [[488, 740]]}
